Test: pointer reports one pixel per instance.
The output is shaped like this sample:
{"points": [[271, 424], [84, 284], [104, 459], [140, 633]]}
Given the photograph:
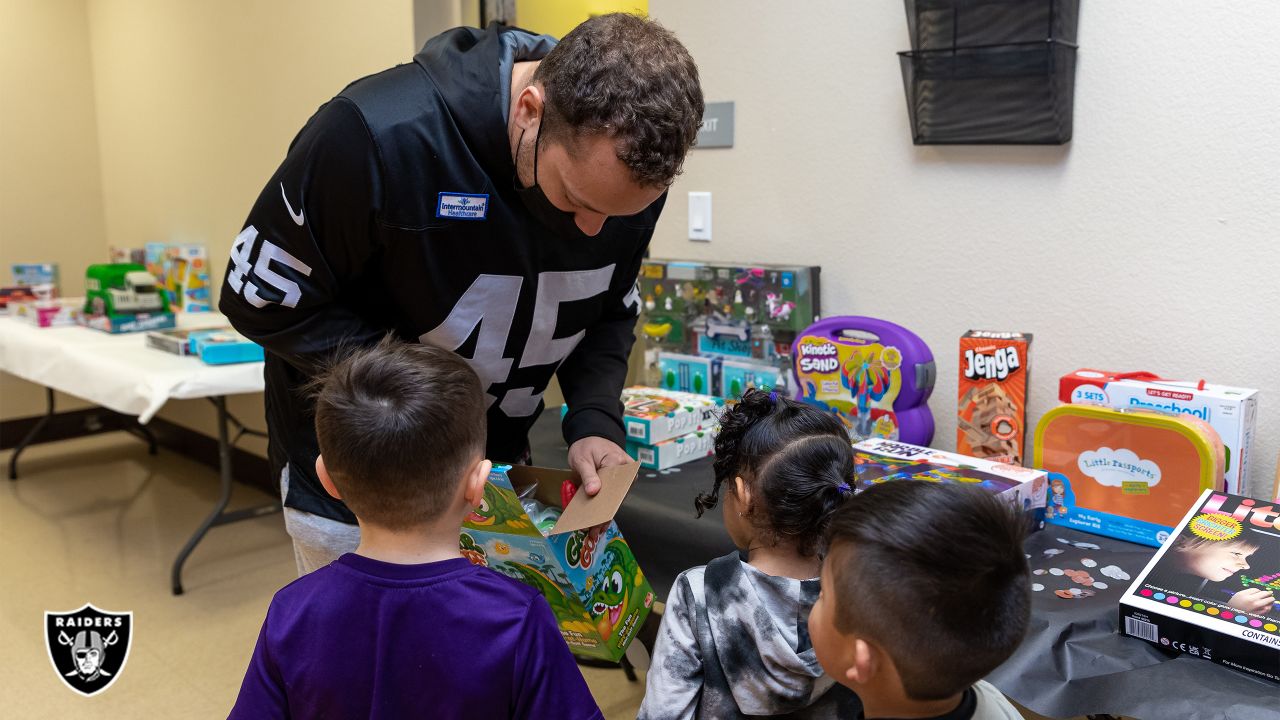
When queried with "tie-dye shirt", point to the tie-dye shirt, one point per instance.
{"points": [[734, 643]]}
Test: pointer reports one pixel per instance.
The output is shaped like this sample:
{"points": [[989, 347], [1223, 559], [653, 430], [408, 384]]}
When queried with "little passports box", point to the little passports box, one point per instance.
{"points": [[1211, 589], [583, 566]]}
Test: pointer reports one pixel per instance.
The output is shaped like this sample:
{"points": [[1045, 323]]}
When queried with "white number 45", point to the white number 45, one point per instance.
{"points": [[242, 249]]}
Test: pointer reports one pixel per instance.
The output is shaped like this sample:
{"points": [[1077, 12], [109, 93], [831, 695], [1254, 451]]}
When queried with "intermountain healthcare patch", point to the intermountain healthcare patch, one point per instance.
{"points": [[88, 647]]}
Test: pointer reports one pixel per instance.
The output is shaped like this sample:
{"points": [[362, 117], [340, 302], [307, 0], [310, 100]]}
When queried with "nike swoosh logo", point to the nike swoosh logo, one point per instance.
{"points": [[298, 217]]}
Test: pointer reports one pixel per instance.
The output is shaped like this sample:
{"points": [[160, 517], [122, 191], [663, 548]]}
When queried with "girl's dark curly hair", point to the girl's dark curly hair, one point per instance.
{"points": [[796, 460]]}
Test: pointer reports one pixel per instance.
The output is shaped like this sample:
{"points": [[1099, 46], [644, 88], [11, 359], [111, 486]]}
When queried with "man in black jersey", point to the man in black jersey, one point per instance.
{"points": [[493, 197]]}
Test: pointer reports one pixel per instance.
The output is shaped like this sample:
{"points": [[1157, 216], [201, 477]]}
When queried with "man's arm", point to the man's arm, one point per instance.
{"points": [[309, 233], [592, 378]]}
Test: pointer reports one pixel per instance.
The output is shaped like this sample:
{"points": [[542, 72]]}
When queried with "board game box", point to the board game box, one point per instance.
{"points": [[1211, 590], [652, 415], [676, 451], [879, 460], [992, 410]]}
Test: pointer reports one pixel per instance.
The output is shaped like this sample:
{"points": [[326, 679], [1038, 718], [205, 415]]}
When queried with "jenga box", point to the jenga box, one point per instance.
{"points": [[993, 395]]}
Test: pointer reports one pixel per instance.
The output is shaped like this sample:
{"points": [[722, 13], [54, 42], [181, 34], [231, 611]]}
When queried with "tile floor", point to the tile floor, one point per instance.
{"points": [[98, 520]]}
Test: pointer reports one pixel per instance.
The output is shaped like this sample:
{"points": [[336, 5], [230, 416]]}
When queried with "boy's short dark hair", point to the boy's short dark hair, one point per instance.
{"points": [[629, 77], [934, 574], [398, 425]]}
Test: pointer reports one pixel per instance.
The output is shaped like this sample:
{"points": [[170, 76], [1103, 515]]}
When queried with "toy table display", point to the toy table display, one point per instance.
{"points": [[720, 329]]}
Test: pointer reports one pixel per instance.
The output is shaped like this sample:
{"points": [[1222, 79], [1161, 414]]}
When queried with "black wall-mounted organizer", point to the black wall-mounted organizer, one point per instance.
{"points": [[990, 72]]}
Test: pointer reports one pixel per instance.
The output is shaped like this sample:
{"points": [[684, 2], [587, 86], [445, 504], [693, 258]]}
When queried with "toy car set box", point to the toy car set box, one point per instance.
{"points": [[874, 375], [533, 526], [652, 415], [879, 460], [676, 451], [1231, 411], [992, 418], [123, 297], [1126, 475], [1211, 590], [723, 313]]}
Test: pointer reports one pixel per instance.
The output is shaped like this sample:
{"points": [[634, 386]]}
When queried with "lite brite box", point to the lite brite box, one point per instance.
{"points": [[676, 451], [993, 395], [879, 460], [1211, 589], [1126, 475], [583, 566], [875, 375], [1231, 411], [652, 415]]}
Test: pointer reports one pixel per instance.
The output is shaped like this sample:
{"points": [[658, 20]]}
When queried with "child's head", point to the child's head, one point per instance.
{"points": [[1214, 560], [924, 590], [402, 431], [784, 467]]}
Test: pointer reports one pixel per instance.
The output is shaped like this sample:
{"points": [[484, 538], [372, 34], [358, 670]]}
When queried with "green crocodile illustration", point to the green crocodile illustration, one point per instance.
{"points": [[496, 511], [560, 603], [613, 588]]}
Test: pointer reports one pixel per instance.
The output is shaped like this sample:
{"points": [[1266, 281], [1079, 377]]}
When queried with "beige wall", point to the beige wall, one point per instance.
{"points": [[196, 103], [50, 184], [1148, 242]]}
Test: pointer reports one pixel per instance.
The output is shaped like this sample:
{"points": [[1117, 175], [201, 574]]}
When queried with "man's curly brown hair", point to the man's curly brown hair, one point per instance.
{"points": [[630, 78]]}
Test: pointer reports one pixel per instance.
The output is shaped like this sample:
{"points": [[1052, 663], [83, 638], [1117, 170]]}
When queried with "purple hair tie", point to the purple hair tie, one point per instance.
{"points": [[773, 396], [843, 487]]}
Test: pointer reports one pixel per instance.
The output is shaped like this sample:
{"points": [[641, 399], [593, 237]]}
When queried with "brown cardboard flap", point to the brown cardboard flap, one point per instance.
{"points": [[584, 512]]}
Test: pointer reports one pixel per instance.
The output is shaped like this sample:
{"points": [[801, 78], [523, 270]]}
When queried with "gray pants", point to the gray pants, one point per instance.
{"points": [[317, 541]]}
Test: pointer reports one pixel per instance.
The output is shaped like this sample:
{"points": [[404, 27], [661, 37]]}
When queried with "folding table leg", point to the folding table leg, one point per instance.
{"points": [[218, 516], [32, 435]]}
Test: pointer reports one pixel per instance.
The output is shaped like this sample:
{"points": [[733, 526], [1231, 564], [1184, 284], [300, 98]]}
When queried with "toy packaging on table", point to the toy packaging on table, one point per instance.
{"points": [[652, 415], [720, 329], [1127, 475], [223, 346], [123, 297], [1211, 589], [876, 376], [1230, 411], [676, 451], [879, 460], [994, 371], [181, 271], [581, 564]]}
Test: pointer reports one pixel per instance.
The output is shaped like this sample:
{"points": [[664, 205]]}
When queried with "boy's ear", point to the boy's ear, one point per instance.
{"points": [[325, 479], [866, 662], [473, 484]]}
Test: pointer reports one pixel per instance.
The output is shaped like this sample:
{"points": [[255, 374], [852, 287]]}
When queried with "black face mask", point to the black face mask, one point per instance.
{"points": [[553, 218]]}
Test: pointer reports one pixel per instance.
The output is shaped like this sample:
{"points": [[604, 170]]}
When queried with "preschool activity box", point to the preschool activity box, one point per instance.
{"points": [[1231, 411], [1126, 475], [573, 552], [1223, 556], [874, 375], [879, 460]]}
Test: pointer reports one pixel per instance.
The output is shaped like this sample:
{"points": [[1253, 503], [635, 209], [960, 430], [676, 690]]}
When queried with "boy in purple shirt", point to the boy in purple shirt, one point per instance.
{"points": [[404, 626]]}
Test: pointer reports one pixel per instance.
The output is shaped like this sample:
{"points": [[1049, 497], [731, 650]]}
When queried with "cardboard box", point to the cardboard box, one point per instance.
{"points": [[176, 341], [31, 274], [46, 313], [878, 460], [223, 346], [737, 376], [1231, 411], [651, 415], [676, 451], [127, 323], [1188, 597], [692, 374], [583, 566], [992, 420]]}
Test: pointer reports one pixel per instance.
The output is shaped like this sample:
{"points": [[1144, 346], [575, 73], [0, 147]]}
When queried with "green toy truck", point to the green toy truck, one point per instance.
{"points": [[123, 297]]}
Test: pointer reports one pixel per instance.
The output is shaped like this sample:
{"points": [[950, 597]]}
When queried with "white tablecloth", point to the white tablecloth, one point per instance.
{"points": [[119, 371]]}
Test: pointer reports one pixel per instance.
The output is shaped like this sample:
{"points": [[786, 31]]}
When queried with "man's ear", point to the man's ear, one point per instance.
{"points": [[323, 473], [529, 107], [866, 662], [473, 484]]}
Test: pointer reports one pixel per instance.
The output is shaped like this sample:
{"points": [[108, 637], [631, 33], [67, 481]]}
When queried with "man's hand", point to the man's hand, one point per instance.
{"points": [[1253, 600], [589, 455]]}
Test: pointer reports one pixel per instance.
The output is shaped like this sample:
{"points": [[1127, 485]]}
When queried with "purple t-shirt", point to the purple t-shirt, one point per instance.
{"points": [[368, 639]]}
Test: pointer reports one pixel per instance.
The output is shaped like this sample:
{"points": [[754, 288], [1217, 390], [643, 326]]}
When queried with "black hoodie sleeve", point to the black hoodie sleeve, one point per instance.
{"points": [[594, 373], [308, 236]]}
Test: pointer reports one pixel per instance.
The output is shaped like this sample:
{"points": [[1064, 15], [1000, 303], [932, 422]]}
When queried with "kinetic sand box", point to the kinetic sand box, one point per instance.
{"points": [[572, 552]]}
